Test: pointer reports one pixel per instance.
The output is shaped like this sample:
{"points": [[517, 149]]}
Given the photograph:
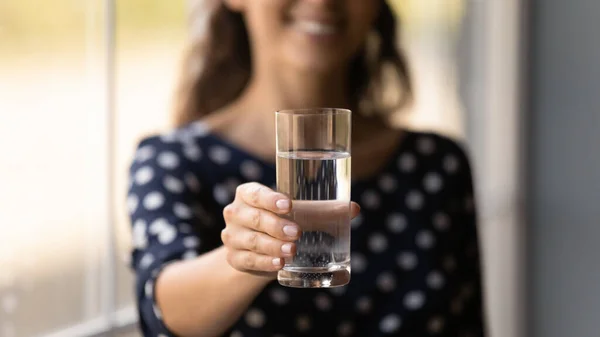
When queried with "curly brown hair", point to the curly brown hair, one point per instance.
{"points": [[224, 48]]}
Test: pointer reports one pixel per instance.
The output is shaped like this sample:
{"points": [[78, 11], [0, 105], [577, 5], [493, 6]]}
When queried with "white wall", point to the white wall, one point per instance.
{"points": [[491, 84]]}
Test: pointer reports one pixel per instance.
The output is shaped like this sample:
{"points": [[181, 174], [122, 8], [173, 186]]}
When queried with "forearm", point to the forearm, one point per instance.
{"points": [[205, 296]]}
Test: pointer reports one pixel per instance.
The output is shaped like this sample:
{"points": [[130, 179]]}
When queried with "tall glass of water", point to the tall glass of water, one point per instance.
{"points": [[313, 169]]}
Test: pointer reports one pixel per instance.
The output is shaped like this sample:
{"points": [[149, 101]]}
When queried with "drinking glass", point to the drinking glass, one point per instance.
{"points": [[313, 169]]}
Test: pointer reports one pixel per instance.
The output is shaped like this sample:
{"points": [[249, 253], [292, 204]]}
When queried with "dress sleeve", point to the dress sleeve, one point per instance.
{"points": [[467, 302], [168, 219]]}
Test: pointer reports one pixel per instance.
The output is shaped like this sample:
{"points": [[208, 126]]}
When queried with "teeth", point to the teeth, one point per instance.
{"points": [[317, 28]]}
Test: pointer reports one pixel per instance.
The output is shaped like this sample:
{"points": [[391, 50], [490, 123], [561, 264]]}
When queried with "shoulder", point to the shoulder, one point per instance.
{"points": [[174, 155], [435, 148], [439, 162], [442, 168], [192, 150], [169, 148], [188, 134]]}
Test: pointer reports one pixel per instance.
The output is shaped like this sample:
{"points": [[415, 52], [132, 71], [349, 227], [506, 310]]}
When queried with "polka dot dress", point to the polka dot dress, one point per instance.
{"points": [[415, 257]]}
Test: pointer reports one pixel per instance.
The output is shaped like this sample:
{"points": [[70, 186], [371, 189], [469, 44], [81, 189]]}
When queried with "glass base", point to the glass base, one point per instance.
{"points": [[313, 277]]}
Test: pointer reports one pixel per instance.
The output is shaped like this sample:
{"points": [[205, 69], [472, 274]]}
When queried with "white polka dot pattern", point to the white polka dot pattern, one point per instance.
{"points": [[168, 160], [390, 324], [148, 289], [323, 302], [451, 164], [378, 243], [396, 223], [407, 163], [191, 242], [357, 221], [407, 260], [153, 201], [190, 255], [182, 211], [358, 262], [435, 280], [192, 152], [255, 318], [387, 183], [199, 129], [167, 235], [170, 137], [414, 300], [386, 282], [143, 176], [414, 200], [371, 200], [156, 311], [394, 239], [138, 234], [433, 182], [221, 194], [144, 153], [132, 203], [146, 260], [219, 154], [173, 185], [250, 170], [164, 231], [425, 240], [279, 296]]}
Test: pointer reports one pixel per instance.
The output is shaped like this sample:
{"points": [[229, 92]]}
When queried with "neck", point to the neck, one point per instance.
{"points": [[271, 90]]}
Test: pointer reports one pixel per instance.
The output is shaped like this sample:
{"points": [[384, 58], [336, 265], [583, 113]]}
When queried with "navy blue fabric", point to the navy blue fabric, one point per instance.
{"points": [[415, 254]]}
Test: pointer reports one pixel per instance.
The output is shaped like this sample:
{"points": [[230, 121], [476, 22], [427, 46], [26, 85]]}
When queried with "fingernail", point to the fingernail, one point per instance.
{"points": [[286, 248], [283, 204], [277, 261], [290, 230]]}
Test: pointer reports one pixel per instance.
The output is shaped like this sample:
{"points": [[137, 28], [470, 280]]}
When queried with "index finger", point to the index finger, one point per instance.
{"points": [[260, 196]]}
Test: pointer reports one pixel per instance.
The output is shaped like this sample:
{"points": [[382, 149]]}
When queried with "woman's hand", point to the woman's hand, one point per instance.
{"points": [[257, 238]]}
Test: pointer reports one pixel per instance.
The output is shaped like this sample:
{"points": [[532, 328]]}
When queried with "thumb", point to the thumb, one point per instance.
{"points": [[354, 210]]}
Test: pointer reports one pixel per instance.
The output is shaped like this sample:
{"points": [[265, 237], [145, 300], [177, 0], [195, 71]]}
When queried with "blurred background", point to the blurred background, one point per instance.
{"points": [[82, 81]]}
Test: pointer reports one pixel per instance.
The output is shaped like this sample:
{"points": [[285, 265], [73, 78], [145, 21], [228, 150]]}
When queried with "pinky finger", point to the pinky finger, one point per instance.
{"points": [[248, 261]]}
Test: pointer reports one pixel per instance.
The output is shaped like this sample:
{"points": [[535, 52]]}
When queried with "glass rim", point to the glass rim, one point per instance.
{"points": [[314, 111]]}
